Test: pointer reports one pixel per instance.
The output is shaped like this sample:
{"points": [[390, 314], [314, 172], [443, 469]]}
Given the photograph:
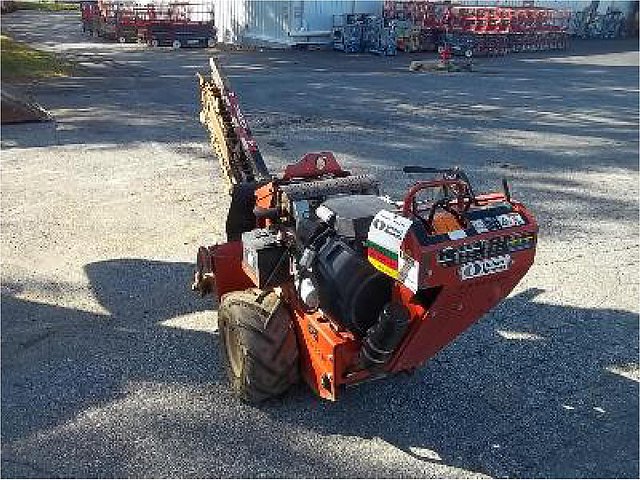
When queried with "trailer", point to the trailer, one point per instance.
{"points": [[180, 34], [89, 14], [180, 24], [175, 24]]}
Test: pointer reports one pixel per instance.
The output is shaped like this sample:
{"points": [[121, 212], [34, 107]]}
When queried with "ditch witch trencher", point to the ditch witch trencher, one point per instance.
{"points": [[323, 278]]}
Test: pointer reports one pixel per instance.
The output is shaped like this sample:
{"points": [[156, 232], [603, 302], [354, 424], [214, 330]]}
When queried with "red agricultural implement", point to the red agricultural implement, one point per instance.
{"points": [[322, 277], [484, 30]]}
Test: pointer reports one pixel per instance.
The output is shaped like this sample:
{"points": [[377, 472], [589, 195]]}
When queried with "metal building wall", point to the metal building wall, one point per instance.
{"points": [[228, 16], [318, 15], [271, 21]]}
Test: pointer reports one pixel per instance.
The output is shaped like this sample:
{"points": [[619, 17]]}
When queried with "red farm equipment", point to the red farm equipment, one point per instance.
{"points": [[323, 278], [110, 20], [483, 29], [499, 30]]}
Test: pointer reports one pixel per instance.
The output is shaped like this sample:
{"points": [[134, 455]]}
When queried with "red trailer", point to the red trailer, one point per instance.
{"points": [[180, 24], [105, 19], [176, 24], [90, 14]]}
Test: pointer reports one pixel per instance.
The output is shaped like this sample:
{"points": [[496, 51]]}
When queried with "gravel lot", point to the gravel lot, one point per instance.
{"points": [[110, 365]]}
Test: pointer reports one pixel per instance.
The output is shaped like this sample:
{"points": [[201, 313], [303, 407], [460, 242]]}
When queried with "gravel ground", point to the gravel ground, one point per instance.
{"points": [[110, 365]]}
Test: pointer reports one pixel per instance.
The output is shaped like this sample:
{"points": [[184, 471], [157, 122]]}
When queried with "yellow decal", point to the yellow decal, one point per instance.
{"points": [[383, 268]]}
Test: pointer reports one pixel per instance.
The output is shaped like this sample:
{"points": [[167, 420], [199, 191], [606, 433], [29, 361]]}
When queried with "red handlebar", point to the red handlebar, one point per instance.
{"points": [[408, 200]]}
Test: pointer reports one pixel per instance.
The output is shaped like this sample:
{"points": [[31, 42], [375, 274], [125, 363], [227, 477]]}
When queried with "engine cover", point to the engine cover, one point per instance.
{"points": [[351, 215]]}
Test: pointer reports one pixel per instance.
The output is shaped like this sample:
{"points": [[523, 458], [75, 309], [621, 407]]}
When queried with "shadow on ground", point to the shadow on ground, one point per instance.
{"points": [[83, 358], [533, 390]]}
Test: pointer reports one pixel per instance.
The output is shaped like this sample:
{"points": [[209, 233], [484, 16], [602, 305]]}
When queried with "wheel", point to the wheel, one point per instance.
{"points": [[176, 44], [258, 343], [211, 42], [154, 42], [122, 40], [95, 34]]}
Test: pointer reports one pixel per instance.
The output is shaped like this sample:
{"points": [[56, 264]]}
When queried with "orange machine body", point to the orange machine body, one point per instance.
{"points": [[438, 264], [444, 305]]}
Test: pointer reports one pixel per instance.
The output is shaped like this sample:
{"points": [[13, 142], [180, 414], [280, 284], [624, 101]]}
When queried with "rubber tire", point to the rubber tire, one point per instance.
{"points": [[155, 43], [256, 330], [176, 44]]}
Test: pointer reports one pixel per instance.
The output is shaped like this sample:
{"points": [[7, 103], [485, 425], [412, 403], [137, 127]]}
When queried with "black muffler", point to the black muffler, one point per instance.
{"points": [[384, 336]]}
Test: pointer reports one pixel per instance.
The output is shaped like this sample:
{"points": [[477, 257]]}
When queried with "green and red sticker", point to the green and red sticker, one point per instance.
{"points": [[386, 234], [382, 258]]}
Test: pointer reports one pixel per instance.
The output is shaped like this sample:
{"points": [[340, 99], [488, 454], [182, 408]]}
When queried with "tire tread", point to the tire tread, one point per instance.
{"points": [[267, 340]]}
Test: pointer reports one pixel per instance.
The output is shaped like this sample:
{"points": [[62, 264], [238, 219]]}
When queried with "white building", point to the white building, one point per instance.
{"points": [[282, 22]]}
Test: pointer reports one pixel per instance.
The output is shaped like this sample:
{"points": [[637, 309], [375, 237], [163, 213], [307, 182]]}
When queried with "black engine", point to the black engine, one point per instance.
{"points": [[331, 270], [348, 288]]}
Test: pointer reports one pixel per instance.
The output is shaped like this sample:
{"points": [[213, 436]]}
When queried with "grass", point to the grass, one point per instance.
{"points": [[49, 6], [19, 60]]}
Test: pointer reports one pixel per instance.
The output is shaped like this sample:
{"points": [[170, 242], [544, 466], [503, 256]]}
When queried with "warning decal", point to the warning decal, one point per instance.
{"points": [[386, 233]]}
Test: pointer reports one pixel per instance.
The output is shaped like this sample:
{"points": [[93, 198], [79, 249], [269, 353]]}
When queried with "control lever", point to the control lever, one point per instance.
{"points": [[507, 190]]}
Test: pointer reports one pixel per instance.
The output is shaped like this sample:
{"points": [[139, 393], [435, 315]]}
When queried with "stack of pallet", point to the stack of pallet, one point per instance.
{"points": [[359, 33], [348, 32], [379, 38], [410, 38], [419, 24]]}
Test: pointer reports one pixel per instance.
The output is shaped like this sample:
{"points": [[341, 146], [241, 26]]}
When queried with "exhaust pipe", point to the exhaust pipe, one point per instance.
{"points": [[384, 336]]}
